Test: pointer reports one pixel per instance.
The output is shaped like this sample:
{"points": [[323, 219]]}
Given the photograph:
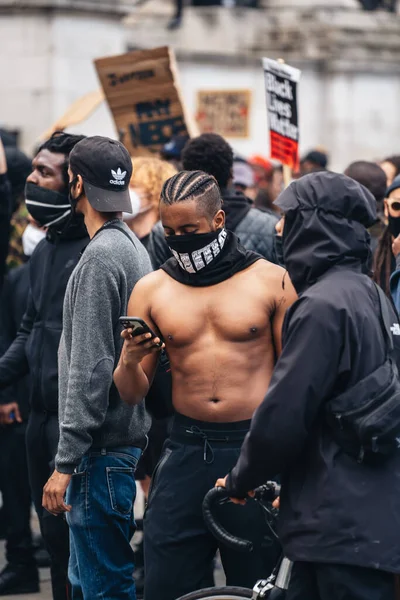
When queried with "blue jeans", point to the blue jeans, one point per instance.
{"points": [[102, 494]]}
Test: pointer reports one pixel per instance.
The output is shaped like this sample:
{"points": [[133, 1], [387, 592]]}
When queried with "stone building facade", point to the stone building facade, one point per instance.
{"points": [[350, 62]]}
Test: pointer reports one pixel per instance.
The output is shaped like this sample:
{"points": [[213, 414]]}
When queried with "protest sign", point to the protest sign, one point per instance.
{"points": [[281, 86], [144, 97], [225, 112]]}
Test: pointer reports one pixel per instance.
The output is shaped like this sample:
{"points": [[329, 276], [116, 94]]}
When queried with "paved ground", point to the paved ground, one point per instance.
{"points": [[45, 591]]}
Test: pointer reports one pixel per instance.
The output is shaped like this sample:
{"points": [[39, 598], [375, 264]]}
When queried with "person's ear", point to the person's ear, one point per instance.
{"points": [[219, 219], [386, 208], [79, 189]]}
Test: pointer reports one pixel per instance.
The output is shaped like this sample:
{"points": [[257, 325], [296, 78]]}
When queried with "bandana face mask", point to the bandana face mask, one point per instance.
{"points": [[194, 252], [47, 207]]}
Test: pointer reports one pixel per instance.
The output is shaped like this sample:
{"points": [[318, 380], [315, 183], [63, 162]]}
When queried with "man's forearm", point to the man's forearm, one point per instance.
{"points": [[132, 382], [13, 364]]}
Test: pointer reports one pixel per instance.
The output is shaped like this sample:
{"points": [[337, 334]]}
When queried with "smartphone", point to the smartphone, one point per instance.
{"points": [[138, 326]]}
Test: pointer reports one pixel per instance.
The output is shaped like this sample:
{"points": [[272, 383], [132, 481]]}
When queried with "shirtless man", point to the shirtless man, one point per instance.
{"points": [[219, 308]]}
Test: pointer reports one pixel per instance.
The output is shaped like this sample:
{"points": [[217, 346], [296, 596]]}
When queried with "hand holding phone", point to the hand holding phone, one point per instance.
{"points": [[140, 340]]}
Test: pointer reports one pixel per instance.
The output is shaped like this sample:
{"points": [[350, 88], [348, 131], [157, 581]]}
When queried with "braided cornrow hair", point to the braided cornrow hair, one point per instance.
{"points": [[193, 185]]}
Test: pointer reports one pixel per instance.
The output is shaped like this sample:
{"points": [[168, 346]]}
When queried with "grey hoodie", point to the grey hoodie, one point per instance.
{"points": [[91, 412]]}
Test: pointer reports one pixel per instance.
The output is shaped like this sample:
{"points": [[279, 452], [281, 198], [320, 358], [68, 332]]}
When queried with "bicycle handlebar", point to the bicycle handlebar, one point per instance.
{"points": [[267, 492]]}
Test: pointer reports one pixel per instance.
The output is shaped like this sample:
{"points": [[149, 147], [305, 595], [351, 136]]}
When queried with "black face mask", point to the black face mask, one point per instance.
{"points": [[394, 225], [47, 207], [193, 252], [196, 251], [279, 249], [73, 201]]}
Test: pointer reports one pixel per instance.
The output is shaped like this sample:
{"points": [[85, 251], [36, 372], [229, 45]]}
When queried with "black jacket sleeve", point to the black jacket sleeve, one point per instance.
{"points": [[14, 364], [7, 333], [304, 377], [5, 218]]}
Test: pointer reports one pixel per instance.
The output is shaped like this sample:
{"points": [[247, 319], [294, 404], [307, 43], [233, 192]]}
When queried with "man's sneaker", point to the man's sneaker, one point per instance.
{"points": [[19, 579]]}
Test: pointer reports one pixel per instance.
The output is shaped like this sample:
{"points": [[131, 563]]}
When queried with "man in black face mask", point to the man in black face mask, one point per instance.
{"points": [[36, 346], [219, 308]]}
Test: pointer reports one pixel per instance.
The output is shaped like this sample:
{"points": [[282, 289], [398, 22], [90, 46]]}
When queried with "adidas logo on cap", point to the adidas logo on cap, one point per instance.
{"points": [[119, 177]]}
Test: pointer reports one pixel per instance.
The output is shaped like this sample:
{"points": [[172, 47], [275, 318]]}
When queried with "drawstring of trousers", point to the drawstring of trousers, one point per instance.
{"points": [[194, 430]]}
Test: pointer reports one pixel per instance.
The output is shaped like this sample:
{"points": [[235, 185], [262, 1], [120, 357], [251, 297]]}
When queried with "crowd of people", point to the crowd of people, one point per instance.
{"points": [[264, 333]]}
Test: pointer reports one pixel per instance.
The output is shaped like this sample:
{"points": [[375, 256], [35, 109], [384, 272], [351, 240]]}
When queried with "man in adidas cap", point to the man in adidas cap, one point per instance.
{"points": [[105, 167], [101, 438]]}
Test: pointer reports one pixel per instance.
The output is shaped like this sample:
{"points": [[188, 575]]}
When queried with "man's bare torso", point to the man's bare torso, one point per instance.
{"points": [[219, 340]]}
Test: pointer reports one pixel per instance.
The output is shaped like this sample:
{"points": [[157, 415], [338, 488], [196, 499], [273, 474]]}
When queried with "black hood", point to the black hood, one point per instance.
{"points": [[73, 229], [326, 215], [236, 206]]}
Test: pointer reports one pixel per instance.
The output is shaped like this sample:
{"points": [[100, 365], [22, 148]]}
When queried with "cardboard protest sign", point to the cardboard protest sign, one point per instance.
{"points": [[144, 97], [281, 86], [225, 112]]}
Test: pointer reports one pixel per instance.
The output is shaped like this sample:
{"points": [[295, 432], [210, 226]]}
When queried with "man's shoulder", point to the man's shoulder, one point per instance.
{"points": [[258, 219], [111, 244], [114, 236], [268, 272], [256, 232], [152, 281], [331, 298]]}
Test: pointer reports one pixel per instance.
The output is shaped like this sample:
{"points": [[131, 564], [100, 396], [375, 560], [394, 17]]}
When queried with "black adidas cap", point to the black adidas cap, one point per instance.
{"points": [[106, 169]]}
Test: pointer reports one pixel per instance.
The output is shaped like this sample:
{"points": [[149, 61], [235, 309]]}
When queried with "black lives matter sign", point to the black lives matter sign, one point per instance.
{"points": [[281, 82], [144, 97]]}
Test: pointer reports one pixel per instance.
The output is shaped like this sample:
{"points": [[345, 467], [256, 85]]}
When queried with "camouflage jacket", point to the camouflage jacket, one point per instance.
{"points": [[19, 221]]}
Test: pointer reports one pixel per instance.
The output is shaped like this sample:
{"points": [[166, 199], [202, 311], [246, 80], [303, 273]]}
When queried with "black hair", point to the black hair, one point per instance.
{"points": [[382, 269], [318, 158], [371, 176], [395, 161], [212, 154], [62, 143], [193, 185]]}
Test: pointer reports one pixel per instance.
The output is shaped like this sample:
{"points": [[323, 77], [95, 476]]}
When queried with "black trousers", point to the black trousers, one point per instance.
{"points": [[14, 484], [311, 581], [178, 549], [41, 440]]}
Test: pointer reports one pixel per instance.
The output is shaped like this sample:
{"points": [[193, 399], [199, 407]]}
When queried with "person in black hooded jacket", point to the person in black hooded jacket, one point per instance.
{"points": [[338, 517], [255, 228], [6, 202], [35, 349]]}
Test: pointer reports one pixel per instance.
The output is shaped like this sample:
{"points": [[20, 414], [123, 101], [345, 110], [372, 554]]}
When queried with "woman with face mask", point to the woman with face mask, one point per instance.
{"points": [[384, 260], [393, 202], [148, 177]]}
